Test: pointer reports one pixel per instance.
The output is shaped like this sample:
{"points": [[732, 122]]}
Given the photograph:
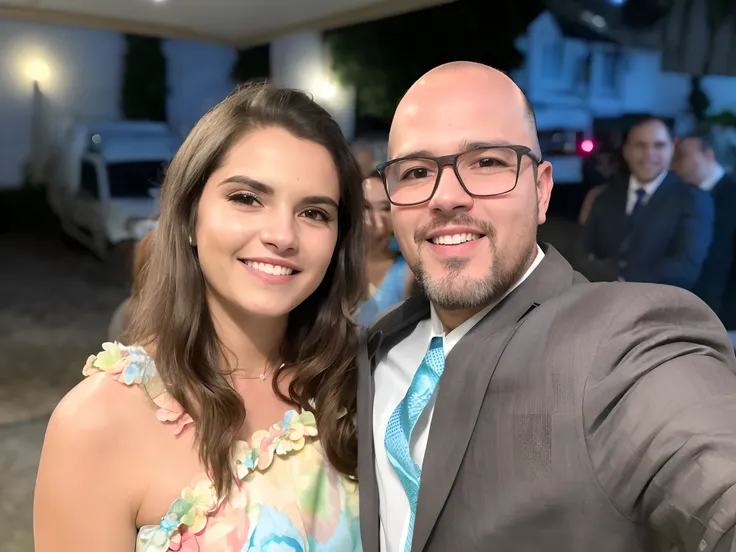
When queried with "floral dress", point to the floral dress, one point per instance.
{"points": [[288, 498]]}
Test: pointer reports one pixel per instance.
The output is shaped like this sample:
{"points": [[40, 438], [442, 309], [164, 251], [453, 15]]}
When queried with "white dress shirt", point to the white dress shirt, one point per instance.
{"points": [[709, 183], [648, 187], [392, 379]]}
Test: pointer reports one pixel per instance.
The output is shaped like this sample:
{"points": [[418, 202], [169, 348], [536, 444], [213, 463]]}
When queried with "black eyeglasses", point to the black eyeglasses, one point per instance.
{"points": [[484, 171]]}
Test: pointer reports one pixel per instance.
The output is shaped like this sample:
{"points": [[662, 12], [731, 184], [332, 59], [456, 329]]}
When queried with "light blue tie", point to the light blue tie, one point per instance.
{"points": [[402, 421]]}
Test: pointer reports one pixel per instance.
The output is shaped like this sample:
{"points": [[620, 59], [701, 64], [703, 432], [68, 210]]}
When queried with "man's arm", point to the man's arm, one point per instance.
{"points": [[693, 236], [660, 418]]}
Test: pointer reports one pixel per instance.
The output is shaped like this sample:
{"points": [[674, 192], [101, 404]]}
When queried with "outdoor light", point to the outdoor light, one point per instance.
{"points": [[326, 90], [37, 70]]}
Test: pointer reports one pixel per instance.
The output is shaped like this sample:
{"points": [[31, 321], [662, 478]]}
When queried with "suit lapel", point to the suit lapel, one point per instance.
{"points": [[369, 524], [388, 331], [463, 387]]}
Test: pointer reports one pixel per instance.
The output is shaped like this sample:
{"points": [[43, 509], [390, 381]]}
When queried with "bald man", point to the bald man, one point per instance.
{"points": [[515, 406]]}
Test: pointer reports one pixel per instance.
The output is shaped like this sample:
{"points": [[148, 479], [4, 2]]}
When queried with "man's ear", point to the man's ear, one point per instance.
{"points": [[544, 190]]}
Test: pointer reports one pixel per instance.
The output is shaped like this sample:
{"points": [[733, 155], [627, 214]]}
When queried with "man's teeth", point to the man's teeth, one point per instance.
{"points": [[270, 269], [455, 239]]}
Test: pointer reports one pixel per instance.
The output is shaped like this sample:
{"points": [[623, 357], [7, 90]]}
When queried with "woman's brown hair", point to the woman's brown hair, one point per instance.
{"points": [[320, 346]]}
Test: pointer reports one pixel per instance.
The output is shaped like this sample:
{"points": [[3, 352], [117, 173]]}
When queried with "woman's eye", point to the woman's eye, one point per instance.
{"points": [[244, 199], [316, 214]]}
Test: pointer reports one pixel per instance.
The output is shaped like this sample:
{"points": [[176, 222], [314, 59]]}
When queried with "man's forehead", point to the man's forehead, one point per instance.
{"points": [[449, 126], [651, 131]]}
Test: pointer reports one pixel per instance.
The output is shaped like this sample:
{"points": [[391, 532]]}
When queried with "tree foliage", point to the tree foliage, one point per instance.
{"points": [[383, 58], [253, 64], [144, 79]]}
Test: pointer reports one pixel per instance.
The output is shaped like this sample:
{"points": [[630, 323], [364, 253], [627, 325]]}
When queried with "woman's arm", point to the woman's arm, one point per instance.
{"points": [[85, 486]]}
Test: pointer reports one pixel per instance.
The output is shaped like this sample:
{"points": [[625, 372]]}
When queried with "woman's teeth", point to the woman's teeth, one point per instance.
{"points": [[270, 269]]}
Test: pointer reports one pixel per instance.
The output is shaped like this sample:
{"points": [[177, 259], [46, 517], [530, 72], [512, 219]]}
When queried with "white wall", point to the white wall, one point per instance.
{"points": [[80, 71]]}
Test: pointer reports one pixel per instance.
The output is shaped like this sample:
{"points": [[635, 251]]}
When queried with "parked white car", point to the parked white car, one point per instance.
{"points": [[105, 186]]}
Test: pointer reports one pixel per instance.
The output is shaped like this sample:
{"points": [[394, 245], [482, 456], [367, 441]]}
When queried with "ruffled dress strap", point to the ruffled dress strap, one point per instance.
{"points": [[132, 366]]}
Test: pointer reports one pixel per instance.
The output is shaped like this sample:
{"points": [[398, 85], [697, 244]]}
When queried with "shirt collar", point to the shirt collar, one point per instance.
{"points": [[648, 187], [709, 183], [436, 329]]}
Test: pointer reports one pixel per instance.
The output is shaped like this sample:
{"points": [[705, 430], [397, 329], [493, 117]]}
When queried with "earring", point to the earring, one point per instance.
{"points": [[191, 242]]}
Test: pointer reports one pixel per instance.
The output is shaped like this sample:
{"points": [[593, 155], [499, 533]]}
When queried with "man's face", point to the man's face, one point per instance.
{"points": [[648, 150], [693, 164], [497, 234]]}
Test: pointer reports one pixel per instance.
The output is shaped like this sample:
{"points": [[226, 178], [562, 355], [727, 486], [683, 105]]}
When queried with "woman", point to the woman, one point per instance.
{"points": [[389, 279], [255, 267]]}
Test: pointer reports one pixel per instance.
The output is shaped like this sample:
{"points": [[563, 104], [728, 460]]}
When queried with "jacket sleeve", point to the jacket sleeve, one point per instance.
{"points": [[660, 418]]}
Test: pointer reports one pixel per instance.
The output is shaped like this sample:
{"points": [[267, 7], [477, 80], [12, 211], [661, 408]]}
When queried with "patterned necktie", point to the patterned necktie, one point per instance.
{"points": [[402, 421], [641, 197]]}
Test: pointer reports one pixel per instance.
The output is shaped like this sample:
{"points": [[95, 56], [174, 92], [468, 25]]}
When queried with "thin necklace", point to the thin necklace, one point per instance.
{"points": [[262, 375]]}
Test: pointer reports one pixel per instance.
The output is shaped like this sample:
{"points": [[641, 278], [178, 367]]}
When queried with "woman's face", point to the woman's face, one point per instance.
{"points": [[378, 217], [267, 223]]}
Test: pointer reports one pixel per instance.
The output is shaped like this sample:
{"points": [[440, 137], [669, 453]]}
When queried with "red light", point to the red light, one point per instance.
{"points": [[587, 146]]}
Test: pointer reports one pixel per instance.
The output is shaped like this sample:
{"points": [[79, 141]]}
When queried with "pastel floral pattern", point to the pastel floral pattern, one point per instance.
{"points": [[287, 497]]}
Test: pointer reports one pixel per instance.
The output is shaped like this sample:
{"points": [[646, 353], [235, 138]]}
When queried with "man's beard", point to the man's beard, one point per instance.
{"points": [[455, 291]]}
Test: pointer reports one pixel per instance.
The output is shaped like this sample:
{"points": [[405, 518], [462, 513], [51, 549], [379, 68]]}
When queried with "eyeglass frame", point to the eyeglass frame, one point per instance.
{"points": [[451, 160]]}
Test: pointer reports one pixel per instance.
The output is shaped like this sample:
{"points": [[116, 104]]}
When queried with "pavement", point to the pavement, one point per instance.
{"points": [[56, 301]]}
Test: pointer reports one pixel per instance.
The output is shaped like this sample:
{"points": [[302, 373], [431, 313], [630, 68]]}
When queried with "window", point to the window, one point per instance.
{"points": [[135, 178], [610, 69], [582, 71], [89, 187]]}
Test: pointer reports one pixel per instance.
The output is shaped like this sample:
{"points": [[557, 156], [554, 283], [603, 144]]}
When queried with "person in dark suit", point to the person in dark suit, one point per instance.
{"points": [[697, 164], [653, 226], [516, 406]]}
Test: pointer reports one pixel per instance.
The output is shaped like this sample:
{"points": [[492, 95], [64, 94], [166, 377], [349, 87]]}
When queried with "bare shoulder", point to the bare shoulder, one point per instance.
{"points": [[100, 409], [92, 470]]}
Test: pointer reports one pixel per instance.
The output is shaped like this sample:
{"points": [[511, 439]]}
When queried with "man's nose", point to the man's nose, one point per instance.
{"points": [[450, 194]]}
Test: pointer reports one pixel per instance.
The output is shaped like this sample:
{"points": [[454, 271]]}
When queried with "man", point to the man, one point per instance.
{"points": [[652, 226], [516, 406], [697, 165]]}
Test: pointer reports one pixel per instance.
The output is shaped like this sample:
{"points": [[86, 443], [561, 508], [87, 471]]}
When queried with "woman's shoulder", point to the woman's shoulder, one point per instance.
{"points": [[99, 411], [97, 452], [121, 394]]}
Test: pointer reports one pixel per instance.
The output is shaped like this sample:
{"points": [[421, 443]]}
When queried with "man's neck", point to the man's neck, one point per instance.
{"points": [[451, 319], [715, 173]]}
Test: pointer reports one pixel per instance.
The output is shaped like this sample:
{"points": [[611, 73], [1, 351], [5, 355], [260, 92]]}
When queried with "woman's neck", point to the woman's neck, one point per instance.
{"points": [[251, 344], [380, 253]]}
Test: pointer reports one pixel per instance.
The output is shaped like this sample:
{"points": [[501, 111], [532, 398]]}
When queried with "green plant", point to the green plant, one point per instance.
{"points": [[144, 79], [698, 100], [253, 64], [381, 59]]}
